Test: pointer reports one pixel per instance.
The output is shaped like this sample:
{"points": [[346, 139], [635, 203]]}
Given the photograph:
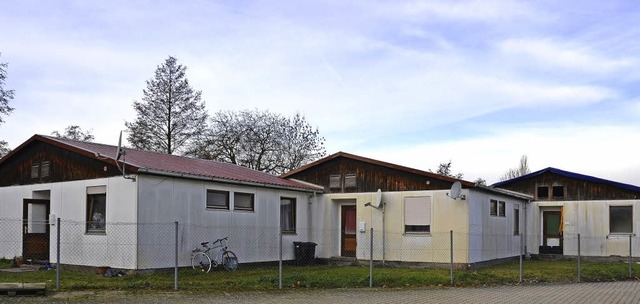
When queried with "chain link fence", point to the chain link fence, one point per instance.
{"points": [[282, 259]]}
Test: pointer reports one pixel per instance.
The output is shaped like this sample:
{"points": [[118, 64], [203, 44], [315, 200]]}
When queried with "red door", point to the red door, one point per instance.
{"points": [[348, 231], [35, 230]]}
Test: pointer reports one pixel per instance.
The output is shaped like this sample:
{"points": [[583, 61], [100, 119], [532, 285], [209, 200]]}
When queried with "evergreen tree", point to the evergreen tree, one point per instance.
{"points": [[171, 114]]}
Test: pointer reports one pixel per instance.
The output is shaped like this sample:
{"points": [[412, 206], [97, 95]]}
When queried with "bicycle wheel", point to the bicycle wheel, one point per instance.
{"points": [[229, 260], [201, 261]]}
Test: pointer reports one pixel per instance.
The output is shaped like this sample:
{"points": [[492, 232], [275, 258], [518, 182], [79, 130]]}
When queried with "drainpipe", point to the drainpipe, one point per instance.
{"points": [[526, 252], [383, 232]]}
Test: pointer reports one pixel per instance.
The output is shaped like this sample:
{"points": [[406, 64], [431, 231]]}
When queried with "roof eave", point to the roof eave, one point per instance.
{"points": [[226, 181]]}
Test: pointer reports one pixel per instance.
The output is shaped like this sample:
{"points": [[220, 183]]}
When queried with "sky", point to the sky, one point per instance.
{"points": [[415, 83]]}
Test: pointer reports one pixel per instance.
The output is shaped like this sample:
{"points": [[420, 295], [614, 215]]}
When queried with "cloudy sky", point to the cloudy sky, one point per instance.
{"points": [[415, 83]]}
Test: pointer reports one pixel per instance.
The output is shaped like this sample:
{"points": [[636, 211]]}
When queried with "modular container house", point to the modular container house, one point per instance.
{"points": [[604, 213], [415, 217], [121, 213]]}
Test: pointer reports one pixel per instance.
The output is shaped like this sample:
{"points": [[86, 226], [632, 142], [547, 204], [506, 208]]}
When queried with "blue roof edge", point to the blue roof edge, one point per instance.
{"points": [[571, 175]]}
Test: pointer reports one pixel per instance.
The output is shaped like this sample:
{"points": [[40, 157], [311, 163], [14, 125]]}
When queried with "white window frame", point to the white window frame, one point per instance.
{"points": [[96, 222], [610, 220]]}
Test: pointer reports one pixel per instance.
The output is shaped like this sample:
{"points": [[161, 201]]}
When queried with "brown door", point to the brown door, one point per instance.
{"points": [[552, 232], [35, 230], [348, 231]]}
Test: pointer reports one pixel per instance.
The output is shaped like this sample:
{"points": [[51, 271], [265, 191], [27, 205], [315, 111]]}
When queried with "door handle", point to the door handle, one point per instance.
{"points": [[25, 229]]}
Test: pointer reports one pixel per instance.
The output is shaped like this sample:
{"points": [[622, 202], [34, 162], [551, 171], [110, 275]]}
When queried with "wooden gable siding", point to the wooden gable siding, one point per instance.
{"points": [[369, 177], [64, 165], [574, 189]]}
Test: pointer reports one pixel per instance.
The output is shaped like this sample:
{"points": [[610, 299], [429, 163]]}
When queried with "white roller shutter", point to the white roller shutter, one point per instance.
{"points": [[417, 211]]}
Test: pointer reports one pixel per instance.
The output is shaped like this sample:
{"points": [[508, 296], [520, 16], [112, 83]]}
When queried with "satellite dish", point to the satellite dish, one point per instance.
{"points": [[456, 191], [119, 149], [378, 201]]}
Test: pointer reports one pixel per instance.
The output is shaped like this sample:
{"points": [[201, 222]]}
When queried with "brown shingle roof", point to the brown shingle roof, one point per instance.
{"points": [[139, 161]]}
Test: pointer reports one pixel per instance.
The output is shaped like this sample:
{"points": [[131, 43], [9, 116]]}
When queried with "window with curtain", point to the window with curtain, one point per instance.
{"points": [[502, 209], [493, 207], [96, 209], [288, 215], [417, 215]]}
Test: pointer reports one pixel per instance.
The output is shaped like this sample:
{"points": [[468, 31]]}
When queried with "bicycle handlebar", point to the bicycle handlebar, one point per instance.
{"points": [[216, 241], [220, 240]]}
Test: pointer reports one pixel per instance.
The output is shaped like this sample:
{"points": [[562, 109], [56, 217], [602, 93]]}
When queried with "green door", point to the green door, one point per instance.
{"points": [[552, 232]]}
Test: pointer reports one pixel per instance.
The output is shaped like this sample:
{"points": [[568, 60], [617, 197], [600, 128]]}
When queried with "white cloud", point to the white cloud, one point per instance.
{"points": [[475, 10], [566, 55]]}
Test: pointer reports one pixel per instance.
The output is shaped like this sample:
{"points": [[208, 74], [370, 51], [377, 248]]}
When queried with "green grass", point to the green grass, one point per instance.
{"points": [[330, 277]]}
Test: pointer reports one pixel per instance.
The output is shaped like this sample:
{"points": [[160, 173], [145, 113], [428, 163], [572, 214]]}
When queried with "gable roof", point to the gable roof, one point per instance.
{"points": [[378, 163], [568, 174], [139, 161]]}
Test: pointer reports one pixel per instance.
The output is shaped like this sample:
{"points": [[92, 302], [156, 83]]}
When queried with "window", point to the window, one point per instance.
{"points": [[44, 169], [35, 170], [350, 181], [217, 199], [334, 181], [493, 206], [417, 215], [620, 219], [243, 201], [96, 209], [501, 209], [288, 215], [40, 169], [558, 191], [543, 192], [516, 221]]}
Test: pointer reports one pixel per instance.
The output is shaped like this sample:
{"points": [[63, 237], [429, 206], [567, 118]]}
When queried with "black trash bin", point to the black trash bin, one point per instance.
{"points": [[305, 252]]}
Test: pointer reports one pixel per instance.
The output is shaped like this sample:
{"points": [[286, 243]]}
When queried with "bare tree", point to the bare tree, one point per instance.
{"points": [[74, 132], [260, 140], [445, 169], [523, 169], [5, 95], [4, 148], [171, 114]]}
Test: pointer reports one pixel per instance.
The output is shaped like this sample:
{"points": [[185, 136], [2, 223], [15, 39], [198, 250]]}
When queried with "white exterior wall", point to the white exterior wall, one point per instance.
{"points": [[68, 201], [447, 214], [492, 237], [253, 236], [591, 220]]}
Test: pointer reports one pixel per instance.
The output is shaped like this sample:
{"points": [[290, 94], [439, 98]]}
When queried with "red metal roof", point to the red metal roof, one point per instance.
{"points": [[140, 161]]}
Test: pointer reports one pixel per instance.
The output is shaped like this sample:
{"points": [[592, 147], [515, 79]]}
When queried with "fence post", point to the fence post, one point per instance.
{"points": [[58, 255], [579, 261], [371, 259], [451, 253], [175, 279], [521, 253], [280, 259], [630, 257]]}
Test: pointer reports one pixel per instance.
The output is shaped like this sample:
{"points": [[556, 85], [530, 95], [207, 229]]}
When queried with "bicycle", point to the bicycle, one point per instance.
{"points": [[201, 258]]}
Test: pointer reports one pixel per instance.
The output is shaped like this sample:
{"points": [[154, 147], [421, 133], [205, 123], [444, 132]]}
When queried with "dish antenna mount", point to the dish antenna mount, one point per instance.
{"points": [[120, 153], [377, 202], [456, 191]]}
